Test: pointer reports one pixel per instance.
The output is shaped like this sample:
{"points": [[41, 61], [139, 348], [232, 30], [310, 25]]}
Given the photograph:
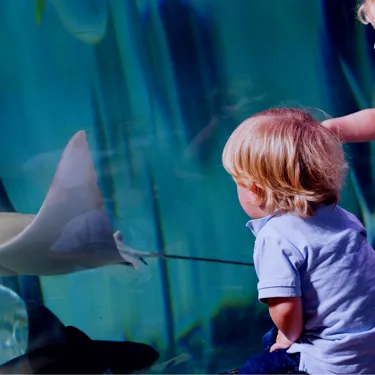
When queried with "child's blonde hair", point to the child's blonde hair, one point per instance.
{"points": [[292, 161], [366, 12]]}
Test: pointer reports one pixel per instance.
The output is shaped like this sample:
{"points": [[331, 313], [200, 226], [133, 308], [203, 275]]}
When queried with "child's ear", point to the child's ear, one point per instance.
{"points": [[254, 189]]}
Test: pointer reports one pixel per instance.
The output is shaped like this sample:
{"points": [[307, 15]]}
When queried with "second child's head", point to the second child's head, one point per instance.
{"points": [[366, 12], [284, 161]]}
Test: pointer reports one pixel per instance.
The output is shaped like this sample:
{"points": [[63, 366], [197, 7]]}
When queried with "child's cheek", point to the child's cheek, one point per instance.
{"points": [[246, 198]]}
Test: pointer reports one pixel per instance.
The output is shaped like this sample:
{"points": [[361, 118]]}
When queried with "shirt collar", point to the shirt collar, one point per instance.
{"points": [[257, 224]]}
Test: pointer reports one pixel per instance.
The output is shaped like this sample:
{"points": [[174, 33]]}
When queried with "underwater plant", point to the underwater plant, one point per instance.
{"points": [[363, 101], [39, 10], [349, 58], [86, 20]]}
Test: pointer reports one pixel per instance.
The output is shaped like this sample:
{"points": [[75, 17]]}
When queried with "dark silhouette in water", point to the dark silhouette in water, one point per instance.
{"points": [[55, 349]]}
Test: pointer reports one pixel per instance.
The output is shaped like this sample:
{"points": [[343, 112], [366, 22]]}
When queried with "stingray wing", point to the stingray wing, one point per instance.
{"points": [[72, 231]]}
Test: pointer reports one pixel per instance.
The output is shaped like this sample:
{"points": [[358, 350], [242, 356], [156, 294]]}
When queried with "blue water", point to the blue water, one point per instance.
{"points": [[158, 86]]}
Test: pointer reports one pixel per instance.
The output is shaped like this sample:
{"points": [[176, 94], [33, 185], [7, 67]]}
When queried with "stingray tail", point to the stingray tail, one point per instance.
{"points": [[202, 259], [131, 256]]}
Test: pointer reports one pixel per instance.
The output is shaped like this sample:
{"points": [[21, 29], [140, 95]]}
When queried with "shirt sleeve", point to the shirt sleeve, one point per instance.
{"points": [[276, 264]]}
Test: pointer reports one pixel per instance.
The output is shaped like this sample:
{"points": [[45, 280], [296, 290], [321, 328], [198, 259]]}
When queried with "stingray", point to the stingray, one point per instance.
{"points": [[72, 231], [53, 348]]}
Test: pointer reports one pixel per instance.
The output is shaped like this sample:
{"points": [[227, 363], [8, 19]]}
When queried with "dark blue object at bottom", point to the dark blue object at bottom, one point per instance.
{"points": [[277, 362]]}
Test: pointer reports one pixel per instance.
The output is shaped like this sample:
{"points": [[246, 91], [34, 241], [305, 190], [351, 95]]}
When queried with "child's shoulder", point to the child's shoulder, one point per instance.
{"points": [[330, 224]]}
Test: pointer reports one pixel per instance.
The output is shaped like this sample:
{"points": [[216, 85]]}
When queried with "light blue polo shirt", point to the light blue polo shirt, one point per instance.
{"points": [[327, 261]]}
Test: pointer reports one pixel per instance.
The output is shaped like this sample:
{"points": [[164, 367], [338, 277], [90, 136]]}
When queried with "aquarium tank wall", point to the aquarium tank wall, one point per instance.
{"points": [[114, 114]]}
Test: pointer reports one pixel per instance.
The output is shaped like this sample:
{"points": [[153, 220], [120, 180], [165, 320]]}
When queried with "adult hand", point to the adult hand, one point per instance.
{"points": [[356, 127]]}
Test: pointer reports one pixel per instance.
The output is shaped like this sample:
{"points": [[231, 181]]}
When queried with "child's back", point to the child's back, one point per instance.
{"points": [[335, 264]]}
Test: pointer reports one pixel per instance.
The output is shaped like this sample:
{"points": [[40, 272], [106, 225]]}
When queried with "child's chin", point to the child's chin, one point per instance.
{"points": [[257, 214]]}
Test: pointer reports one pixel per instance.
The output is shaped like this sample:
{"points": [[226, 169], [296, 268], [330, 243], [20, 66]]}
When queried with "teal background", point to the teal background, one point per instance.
{"points": [[158, 85]]}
